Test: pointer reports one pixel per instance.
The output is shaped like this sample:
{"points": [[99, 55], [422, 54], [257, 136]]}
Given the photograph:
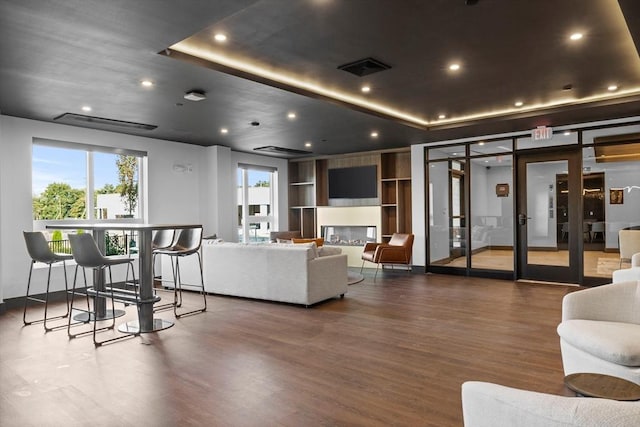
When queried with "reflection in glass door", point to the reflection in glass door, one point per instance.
{"points": [[544, 181]]}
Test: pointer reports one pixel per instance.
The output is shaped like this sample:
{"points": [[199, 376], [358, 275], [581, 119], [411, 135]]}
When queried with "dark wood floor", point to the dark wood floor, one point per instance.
{"points": [[392, 352]]}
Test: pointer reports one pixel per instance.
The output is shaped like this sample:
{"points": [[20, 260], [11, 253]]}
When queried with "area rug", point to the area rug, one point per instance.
{"points": [[353, 278]]}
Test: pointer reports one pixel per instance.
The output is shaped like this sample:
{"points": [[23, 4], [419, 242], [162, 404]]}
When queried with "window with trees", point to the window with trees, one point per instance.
{"points": [[256, 207], [84, 182]]}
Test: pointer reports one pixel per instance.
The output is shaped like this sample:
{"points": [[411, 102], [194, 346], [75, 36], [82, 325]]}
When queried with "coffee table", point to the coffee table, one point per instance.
{"points": [[603, 386]]}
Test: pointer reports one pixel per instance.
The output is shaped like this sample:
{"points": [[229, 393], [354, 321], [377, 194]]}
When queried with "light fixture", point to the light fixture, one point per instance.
{"points": [[291, 116], [518, 103], [481, 143], [224, 131], [454, 67], [146, 83], [86, 108], [219, 37], [576, 36], [374, 134], [195, 95], [612, 88], [307, 144], [442, 116], [567, 132], [365, 89]]}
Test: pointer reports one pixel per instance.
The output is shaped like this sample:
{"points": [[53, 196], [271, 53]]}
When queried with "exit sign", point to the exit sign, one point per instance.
{"points": [[542, 133]]}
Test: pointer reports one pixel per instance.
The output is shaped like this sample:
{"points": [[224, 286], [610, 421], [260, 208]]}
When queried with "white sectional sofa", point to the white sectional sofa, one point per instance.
{"points": [[288, 273]]}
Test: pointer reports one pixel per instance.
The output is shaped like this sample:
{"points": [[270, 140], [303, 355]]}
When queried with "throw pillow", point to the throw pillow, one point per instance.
{"points": [[319, 241]]}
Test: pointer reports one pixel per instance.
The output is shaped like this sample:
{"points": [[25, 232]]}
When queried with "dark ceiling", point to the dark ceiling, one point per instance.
{"points": [[60, 55]]}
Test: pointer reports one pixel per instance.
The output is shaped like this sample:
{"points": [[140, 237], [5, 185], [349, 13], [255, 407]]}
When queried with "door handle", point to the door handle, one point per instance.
{"points": [[522, 219]]}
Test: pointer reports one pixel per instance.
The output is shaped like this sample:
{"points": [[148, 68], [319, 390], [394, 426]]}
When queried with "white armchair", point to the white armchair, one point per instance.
{"points": [[600, 331], [628, 274], [492, 405]]}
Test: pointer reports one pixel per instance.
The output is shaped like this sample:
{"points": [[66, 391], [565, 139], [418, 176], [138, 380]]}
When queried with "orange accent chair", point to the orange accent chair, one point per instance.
{"points": [[397, 251]]}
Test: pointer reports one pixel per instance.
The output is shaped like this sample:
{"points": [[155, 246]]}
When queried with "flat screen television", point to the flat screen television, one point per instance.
{"points": [[357, 182]]}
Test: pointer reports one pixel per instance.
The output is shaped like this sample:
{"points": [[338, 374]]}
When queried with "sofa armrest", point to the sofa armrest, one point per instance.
{"points": [[615, 302], [492, 405], [327, 277]]}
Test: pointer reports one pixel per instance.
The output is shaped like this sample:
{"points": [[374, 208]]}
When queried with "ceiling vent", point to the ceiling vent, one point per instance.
{"points": [[272, 149], [81, 120], [364, 67]]}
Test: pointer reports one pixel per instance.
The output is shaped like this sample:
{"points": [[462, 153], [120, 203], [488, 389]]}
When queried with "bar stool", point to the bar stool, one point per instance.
{"points": [[187, 243], [162, 239], [87, 255], [39, 251]]}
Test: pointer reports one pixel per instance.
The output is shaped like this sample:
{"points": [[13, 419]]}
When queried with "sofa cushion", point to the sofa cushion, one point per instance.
{"points": [[614, 342], [328, 251]]}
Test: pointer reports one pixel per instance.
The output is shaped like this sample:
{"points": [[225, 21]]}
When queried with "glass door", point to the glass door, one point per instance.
{"points": [[549, 216]]}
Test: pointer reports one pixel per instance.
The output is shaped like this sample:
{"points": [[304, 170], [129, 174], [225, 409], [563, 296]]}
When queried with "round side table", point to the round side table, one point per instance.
{"points": [[603, 386]]}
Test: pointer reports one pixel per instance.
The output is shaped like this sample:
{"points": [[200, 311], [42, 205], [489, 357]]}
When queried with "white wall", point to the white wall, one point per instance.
{"points": [[203, 195], [418, 206]]}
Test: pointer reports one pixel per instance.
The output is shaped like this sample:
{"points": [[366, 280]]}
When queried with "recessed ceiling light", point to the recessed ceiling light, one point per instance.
{"points": [[365, 89], [86, 108], [576, 36], [146, 83], [518, 103], [612, 88], [454, 67], [224, 131], [442, 116], [307, 144], [291, 115], [219, 37], [374, 134]]}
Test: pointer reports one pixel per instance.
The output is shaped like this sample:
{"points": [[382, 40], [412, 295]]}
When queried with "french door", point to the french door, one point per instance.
{"points": [[549, 215]]}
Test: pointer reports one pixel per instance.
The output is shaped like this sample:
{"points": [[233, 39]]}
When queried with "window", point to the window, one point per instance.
{"points": [[256, 203], [76, 181]]}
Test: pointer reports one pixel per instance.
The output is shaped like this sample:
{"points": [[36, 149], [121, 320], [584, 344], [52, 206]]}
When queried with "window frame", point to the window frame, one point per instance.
{"points": [[90, 190]]}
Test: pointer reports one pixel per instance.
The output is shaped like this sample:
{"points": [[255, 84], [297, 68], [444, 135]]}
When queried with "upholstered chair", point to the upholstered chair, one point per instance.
{"points": [[396, 252]]}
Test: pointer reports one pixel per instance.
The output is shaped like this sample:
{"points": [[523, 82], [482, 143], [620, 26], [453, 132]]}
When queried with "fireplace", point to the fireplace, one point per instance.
{"points": [[348, 235]]}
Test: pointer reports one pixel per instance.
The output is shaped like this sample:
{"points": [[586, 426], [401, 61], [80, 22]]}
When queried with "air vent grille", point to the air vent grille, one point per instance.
{"points": [[272, 149], [364, 67], [80, 120]]}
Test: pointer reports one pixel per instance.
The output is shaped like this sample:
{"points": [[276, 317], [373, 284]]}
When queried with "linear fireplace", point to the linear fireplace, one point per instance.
{"points": [[348, 235]]}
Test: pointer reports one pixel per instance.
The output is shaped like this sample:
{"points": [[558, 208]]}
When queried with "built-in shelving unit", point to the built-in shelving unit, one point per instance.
{"points": [[302, 197], [308, 189], [395, 184]]}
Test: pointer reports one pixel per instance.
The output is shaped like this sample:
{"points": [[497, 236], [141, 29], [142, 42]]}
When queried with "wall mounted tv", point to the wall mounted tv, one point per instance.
{"points": [[357, 182]]}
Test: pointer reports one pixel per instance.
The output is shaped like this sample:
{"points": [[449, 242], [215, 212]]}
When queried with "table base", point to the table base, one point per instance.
{"points": [[109, 314], [133, 327]]}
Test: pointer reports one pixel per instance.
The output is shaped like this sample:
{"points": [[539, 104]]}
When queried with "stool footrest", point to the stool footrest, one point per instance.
{"points": [[122, 295]]}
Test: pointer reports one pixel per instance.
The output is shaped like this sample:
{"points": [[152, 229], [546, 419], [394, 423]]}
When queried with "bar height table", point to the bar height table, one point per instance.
{"points": [[147, 322]]}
